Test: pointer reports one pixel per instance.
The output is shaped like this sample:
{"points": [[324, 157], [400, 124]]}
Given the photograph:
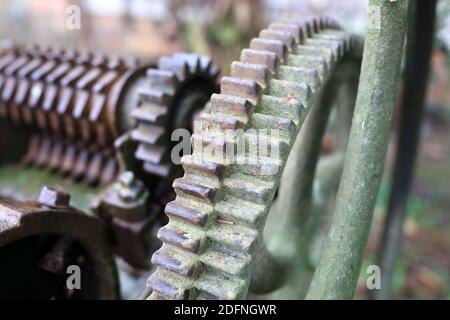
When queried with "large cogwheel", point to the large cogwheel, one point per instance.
{"points": [[216, 222], [176, 91]]}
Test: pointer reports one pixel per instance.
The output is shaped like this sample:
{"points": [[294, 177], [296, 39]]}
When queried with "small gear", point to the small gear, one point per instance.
{"points": [[176, 91]]}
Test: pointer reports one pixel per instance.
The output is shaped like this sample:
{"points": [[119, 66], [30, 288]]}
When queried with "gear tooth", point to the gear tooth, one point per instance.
{"points": [[311, 23], [275, 46], [80, 104], [8, 90], [21, 92], [55, 75], [266, 58], [256, 72], [56, 154], [68, 159], [212, 170], [214, 121], [341, 38], [284, 36], [105, 81], [148, 133], [205, 141], [50, 96], [309, 76], [29, 67], [336, 49], [178, 67], [66, 96], [198, 65], [94, 168], [164, 287], [227, 104], [291, 90], [205, 63], [187, 70], [115, 62], [35, 94], [88, 78], [286, 107], [304, 24], [183, 238], [150, 113], [195, 217], [329, 23], [17, 64], [172, 260], [83, 57], [317, 63], [6, 60], [99, 60], [161, 170], [81, 164], [151, 153], [152, 96], [32, 150], [214, 72], [97, 104], [242, 88], [297, 32], [72, 75], [195, 190], [163, 80], [157, 296], [109, 171]]}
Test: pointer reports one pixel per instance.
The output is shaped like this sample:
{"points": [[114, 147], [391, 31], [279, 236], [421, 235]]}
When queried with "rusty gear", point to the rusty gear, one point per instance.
{"points": [[216, 222], [52, 216], [76, 103], [181, 85]]}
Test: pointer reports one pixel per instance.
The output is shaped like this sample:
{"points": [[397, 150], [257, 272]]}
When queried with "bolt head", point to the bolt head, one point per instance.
{"points": [[127, 179], [53, 198]]}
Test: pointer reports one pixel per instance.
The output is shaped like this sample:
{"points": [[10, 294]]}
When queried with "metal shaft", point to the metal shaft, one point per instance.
{"points": [[419, 47], [340, 263]]}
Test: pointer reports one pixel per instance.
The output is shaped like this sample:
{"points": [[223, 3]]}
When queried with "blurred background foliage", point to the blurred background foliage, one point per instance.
{"points": [[151, 28]]}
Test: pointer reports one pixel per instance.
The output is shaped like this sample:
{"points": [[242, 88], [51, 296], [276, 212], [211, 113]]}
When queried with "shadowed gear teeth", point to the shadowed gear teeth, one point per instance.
{"points": [[76, 104], [174, 92], [216, 222]]}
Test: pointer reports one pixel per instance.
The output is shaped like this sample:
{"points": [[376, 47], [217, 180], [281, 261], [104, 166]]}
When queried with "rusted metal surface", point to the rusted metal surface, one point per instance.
{"points": [[21, 220], [216, 222], [180, 87], [126, 207], [167, 100], [419, 49], [75, 113], [76, 104]]}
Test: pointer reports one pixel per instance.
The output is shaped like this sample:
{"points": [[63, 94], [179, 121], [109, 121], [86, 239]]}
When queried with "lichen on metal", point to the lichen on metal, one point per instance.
{"points": [[216, 222], [338, 270]]}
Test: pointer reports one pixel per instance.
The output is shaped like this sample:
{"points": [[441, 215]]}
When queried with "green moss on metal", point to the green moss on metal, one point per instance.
{"points": [[25, 184], [339, 267]]}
